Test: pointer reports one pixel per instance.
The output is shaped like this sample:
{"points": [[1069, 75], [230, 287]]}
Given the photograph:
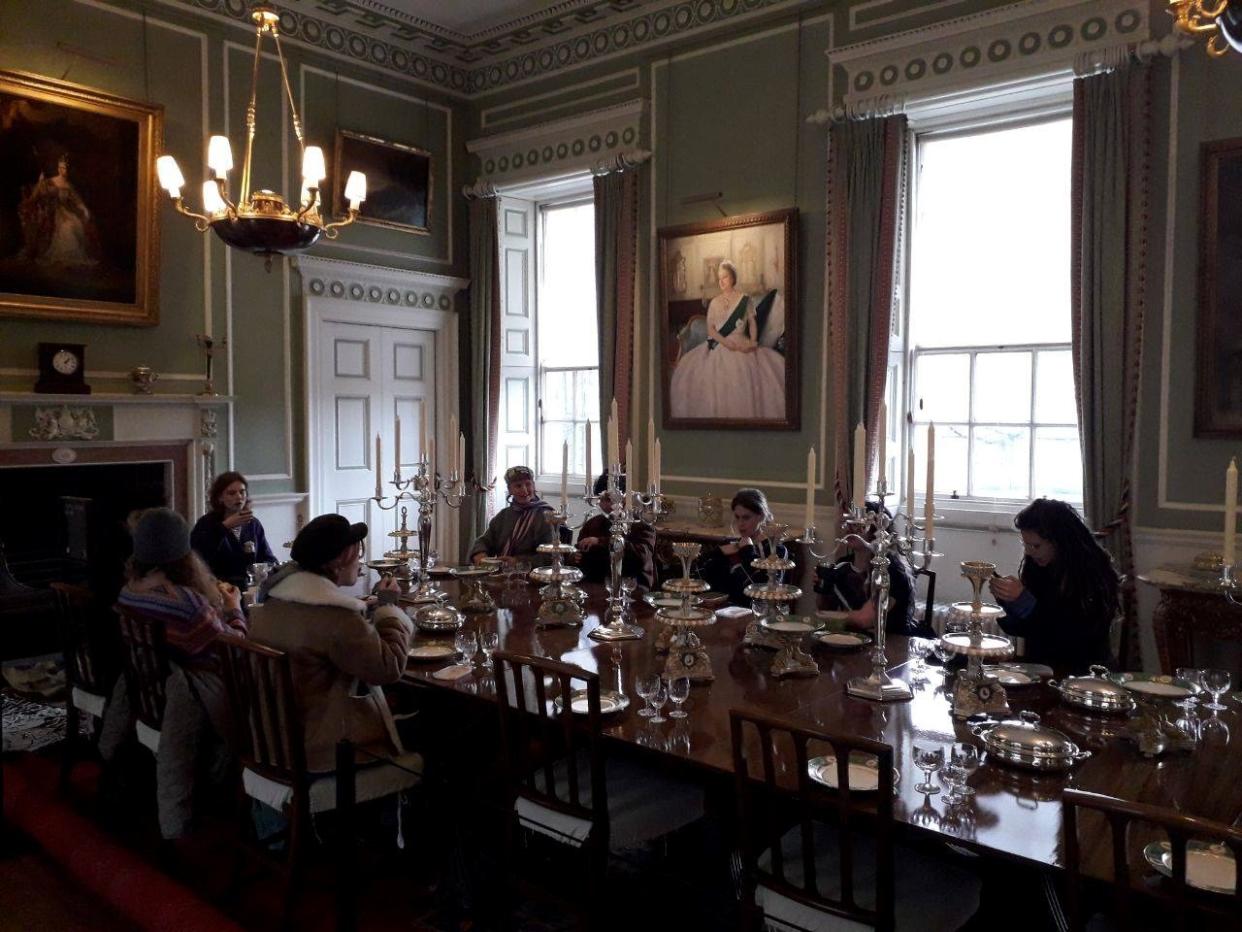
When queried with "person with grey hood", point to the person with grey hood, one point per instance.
{"points": [[340, 652]]}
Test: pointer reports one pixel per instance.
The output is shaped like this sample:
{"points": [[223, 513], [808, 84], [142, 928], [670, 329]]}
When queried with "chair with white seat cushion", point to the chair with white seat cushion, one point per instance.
{"points": [[594, 804], [90, 667], [815, 858], [144, 656], [268, 740]]}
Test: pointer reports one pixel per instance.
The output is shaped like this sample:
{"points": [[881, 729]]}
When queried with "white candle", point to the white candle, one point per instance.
{"points": [[882, 442], [629, 458], [453, 464], [614, 436], [659, 464], [565, 476], [860, 460], [431, 456], [379, 482], [1231, 511], [909, 488], [398, 445], [651, 452], [929, 503], [461, 453], [589, 474], [422, 432], [809, 517]]}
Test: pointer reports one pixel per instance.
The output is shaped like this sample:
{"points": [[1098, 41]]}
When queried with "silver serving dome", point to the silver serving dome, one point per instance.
{"points": [[1026, 743], [1096, 692], [438, 617]]}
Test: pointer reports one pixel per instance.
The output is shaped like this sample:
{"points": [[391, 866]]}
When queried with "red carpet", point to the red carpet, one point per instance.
{"points": [[144, 895]]}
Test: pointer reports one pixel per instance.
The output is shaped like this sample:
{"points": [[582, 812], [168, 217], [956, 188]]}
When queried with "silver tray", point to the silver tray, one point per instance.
{"points": [[609, 702]]}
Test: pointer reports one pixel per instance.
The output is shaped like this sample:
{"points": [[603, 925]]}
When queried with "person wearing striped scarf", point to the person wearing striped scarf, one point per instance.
{"points": [[518, 529]]}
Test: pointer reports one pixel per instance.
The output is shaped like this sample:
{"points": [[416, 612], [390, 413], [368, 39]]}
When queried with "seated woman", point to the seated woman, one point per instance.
{"points": [[846, 586], [517, 530], [168, 583], [230, 537], [594, 555], [728, 569], [338, 655], [1066, 594]]}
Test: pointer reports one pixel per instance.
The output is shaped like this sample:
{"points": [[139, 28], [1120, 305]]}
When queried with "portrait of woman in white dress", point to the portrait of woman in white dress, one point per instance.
{"points": [[731, 374]]}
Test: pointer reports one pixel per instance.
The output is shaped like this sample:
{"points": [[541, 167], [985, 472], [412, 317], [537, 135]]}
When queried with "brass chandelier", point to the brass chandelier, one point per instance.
{"points": [[261, 222], [1217, 19]]}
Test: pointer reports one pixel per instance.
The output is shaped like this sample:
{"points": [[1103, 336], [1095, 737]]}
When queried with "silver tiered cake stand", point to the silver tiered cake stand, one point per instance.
{"points": [[561, 600], [769, 599], [686, 654], [976, 691]]}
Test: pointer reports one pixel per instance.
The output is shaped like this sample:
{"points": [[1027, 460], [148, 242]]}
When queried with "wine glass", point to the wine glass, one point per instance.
{"points": [[1216, 682], [466, 643], [657, 699], [1213, 732], [929, 758], [964, 760], [646, 687], [919, 649], [943, 652], [628, 585], [678, 692], [488, 642], [1194, 677]]}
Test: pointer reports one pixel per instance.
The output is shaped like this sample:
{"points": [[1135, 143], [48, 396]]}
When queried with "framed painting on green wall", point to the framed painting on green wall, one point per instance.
{"points": [[729, 340], [398, 181], [79, 221], [1218, 392]]}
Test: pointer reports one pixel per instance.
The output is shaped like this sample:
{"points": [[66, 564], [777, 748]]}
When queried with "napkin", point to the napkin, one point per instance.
{"points": [[734, 611], [454, 672]]}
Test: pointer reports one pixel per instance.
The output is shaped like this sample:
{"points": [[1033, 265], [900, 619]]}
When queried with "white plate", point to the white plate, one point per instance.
{"points": [[832, 616], [864, 773], [1010, 676], [609, 702], [1208, 867], [843, 638], [1155, 685], [432, 652], [790, 627]]}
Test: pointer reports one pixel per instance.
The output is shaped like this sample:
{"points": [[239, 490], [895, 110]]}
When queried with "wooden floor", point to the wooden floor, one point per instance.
{"points": [[36, 894]]}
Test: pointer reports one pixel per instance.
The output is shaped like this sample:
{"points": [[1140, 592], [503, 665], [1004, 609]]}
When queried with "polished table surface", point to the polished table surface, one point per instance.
{"points": [[1016, 813]]}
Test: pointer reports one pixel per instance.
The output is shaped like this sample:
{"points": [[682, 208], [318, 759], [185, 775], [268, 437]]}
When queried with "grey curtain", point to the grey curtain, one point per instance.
{"points": [[1111, 167], [616, 250], [484, 332], [866, 182]]}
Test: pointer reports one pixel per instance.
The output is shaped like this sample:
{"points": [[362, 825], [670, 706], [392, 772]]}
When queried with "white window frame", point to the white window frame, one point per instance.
{"points": [[1024, 103], [548, 475]]}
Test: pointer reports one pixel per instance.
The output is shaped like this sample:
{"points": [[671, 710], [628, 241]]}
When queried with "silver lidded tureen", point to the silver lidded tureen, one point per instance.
{"points": [[1096, 692], [1024, 742]]}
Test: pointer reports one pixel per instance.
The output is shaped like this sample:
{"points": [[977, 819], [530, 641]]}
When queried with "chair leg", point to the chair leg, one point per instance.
{"points": [[597, 869], [295, 863], [72, 738]]}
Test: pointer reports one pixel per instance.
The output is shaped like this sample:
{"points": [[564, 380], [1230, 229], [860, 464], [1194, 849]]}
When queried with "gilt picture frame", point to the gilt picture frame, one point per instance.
{"points": [[1218, 388], [79, 213], [729, 323], [398, 181]]}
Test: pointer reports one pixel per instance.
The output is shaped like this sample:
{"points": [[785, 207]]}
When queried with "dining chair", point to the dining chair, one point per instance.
{"points": [[559, 781], [144, 658], [89, 667], [818, 858], [268, 739], [929, 604], [1128, 823]]}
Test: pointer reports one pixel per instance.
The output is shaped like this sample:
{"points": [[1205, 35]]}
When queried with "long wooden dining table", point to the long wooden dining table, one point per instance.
{"points": [[1015, 814]]}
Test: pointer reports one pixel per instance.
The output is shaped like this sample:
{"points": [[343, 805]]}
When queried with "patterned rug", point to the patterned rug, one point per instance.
{"points": [[31, 725]]}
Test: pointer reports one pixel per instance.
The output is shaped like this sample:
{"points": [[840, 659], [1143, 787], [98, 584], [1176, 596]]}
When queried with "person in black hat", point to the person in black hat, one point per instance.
{"points": [[340, 651], [594, 555]]}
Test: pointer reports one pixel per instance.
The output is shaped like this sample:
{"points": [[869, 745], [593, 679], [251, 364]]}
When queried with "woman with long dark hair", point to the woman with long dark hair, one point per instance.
{"points": [[229, 537], [728, 569], [1066, 594]]}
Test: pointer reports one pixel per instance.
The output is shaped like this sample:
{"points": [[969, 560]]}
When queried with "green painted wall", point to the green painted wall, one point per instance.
{"points": [[165, 61]]}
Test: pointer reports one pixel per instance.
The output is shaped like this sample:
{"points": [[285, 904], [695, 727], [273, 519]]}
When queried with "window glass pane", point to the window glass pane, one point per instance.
{"points": [[568, 324], [1058, 463], [586, 394], [1003, 388], [990, 260], [950, 458], [1000, 466], [557, 397], [554, 434], [942, 392], [1054, 390]]}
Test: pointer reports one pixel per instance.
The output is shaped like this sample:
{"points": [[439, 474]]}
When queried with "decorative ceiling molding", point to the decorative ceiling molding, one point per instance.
{"points": [[579, 143], [1027, 38]]}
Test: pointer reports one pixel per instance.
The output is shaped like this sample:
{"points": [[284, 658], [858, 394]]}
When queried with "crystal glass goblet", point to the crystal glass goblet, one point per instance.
{"points": [[1193, 676], [964, 758], [657, 699], [646, 687], [929, 758], [488, 642], [678, 693], [1216, 682], [466, 644], [919, 649]]}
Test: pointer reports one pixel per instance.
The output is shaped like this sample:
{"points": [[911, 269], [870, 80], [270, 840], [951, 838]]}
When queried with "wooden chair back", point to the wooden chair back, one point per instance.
{"points": [[1189, 908], [88, 662], [534, 736], [929, 605], [267, 726], [773, 799], [144, 657]]}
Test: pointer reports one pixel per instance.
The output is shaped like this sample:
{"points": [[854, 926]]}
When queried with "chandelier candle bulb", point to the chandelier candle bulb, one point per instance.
{"points": [[809, 517], [1231, 512], [212, 201], [356, 189], [882, 443], [220, 156], [929, 503], [171, 179], [860, 468], [313, 168]]}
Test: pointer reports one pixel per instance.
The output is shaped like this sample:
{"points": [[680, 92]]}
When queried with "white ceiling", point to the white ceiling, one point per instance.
{"points": [[470, 17]]}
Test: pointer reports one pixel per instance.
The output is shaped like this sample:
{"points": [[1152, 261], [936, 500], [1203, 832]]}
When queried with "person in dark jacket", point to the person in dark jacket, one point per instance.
{"points": [[729, 569], [594, 555], [229, 537], [1066, 594], [846, 586]]}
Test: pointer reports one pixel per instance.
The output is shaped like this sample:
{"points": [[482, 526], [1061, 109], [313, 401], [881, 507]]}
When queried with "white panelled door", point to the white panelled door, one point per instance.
{"points": [[516, 438], [368, 376]]}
